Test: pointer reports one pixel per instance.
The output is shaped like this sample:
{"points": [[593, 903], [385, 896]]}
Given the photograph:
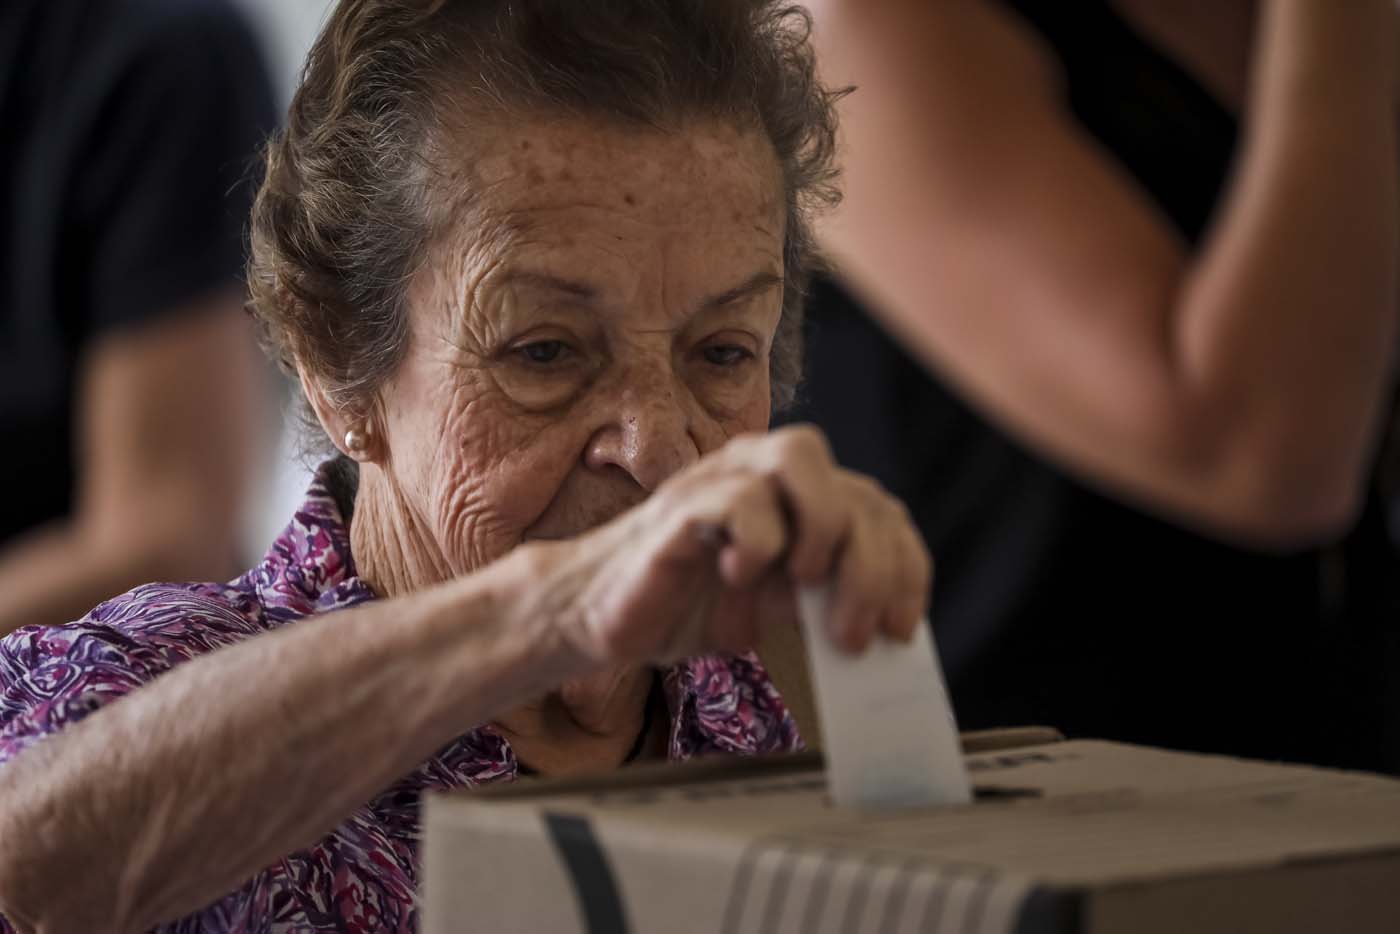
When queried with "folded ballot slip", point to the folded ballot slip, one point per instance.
{"points": [[887, 726]]}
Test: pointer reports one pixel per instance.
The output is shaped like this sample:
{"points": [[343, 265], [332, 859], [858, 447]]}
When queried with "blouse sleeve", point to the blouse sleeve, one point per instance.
{"points": [[52, 677]]}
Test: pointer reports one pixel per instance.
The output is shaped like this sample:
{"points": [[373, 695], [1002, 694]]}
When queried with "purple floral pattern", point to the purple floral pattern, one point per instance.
{"points": [[362, 877]]}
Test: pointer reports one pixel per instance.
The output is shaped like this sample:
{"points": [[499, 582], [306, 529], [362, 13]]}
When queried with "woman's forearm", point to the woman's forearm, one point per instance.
{"points": [[1286, 324], [171, 797]]}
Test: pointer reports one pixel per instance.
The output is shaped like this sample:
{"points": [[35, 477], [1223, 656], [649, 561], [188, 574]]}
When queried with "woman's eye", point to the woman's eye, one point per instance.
{"points": [[726, 354], [542, 351]]}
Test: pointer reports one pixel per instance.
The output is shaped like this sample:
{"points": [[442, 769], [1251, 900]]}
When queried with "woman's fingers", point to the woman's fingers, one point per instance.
{"points": [[736, 516], [883, 572], [751, 522], [799, 461], [756, 532], [810, 480], [836, 527], [910, 607], [913, 568], [864, 584]]}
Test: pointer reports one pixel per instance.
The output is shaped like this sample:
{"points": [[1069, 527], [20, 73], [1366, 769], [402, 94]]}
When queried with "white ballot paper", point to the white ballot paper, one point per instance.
{"points": [[887, 726]]}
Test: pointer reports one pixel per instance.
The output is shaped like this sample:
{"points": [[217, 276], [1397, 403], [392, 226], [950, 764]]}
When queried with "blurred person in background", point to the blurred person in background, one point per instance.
{"points": [[1132, 272], [129, 380]]}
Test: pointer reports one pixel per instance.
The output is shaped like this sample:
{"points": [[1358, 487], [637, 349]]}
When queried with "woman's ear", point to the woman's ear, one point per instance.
{"points": [[355, 436]]}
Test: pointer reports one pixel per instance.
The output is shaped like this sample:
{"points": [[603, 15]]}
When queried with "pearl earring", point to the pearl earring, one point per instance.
{"points": [[357, 441]]}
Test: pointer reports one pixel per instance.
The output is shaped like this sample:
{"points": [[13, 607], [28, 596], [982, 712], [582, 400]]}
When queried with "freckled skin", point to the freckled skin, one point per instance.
{"points": [[634, 375], [487, 448]]}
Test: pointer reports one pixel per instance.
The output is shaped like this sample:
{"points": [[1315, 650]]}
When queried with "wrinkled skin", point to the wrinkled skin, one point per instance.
{"points": [[528, 410], [596, 329]]}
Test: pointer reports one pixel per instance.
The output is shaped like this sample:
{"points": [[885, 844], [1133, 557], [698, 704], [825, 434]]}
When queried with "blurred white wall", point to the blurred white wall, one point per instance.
{"points": [[287, 28]]}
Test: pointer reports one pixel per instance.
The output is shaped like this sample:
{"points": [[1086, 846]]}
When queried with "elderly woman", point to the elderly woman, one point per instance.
{"points": [[538, 268]]}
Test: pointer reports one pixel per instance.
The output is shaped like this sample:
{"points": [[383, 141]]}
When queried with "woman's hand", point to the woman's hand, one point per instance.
{"points": [[720, 549]]}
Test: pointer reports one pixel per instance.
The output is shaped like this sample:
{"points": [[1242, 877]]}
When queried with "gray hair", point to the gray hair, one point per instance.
{"points": [[342, 220]]}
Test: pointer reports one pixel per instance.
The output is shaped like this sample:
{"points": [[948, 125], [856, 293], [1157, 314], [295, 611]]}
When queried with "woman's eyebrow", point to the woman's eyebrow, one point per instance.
{"points": [[574, 288], [758, 282], [587, 292]]}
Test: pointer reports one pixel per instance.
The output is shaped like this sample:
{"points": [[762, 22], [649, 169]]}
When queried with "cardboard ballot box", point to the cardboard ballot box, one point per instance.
{"points": [[1080, 836]]}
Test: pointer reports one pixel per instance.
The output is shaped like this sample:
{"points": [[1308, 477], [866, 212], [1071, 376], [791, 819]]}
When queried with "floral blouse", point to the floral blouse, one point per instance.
{"points": [[361, 877]]}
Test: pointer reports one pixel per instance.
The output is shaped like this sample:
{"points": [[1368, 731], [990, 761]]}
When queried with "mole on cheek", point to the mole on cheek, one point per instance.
{"points": [[629, 198]]}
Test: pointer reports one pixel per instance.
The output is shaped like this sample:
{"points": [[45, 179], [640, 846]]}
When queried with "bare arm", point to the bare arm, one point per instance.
{"points": [[1240, 387], [171, 797], [167, 799], [166, 422]]}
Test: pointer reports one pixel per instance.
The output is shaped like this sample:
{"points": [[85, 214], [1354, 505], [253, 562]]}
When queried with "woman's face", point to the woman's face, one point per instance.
{"points": [[602, 316]]}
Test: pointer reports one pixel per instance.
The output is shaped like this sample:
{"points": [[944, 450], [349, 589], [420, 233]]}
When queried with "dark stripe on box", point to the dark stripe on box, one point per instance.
{"points": [[1051, 911], [595, 886]]}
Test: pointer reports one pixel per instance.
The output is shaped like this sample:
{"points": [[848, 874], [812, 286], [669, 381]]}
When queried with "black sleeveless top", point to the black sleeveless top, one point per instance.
{"points": [[1057, 605]]}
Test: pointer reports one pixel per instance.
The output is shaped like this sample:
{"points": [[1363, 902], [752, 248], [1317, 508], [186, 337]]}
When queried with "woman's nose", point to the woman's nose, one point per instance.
{"points": [[650, 435]]}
